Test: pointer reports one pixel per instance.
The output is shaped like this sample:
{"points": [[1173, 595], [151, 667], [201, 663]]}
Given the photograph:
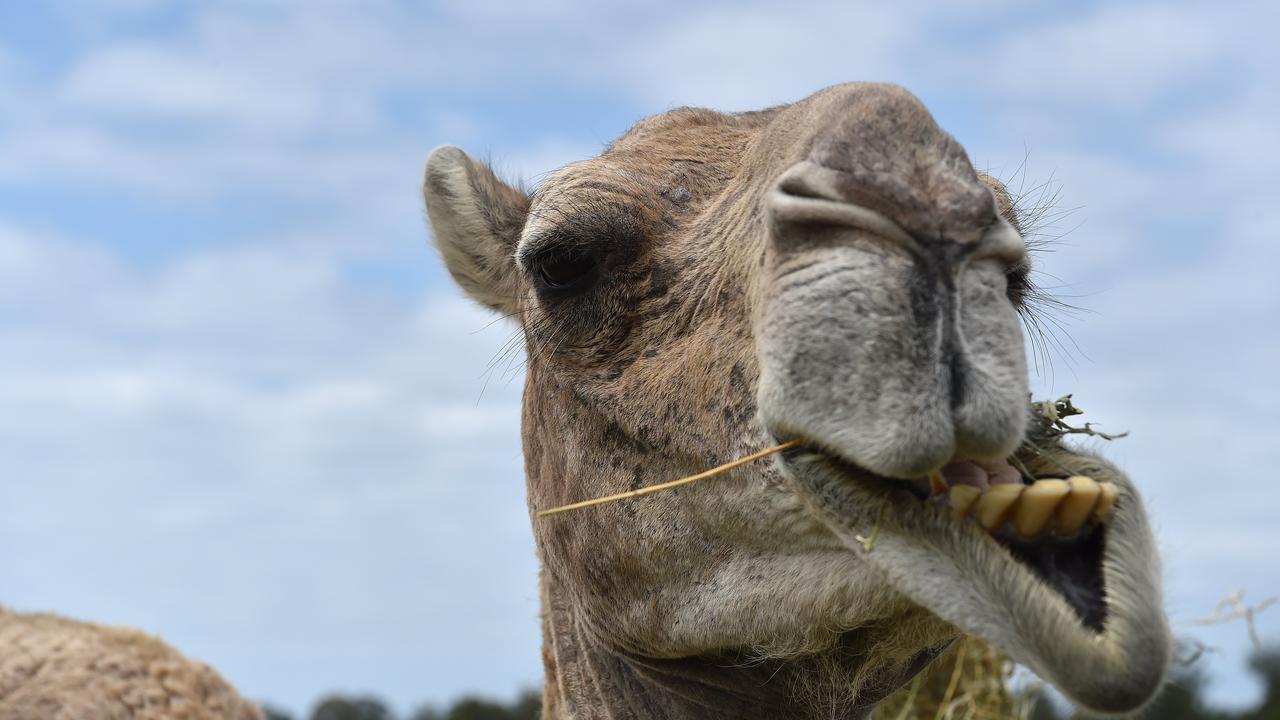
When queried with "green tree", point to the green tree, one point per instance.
{"points": [[341, 708], [477, 709], [1265, 664], [1181, 699], [427, 712], [274, 713], [528, 706]]}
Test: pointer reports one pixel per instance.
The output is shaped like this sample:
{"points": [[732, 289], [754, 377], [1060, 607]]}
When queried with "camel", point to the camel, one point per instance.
{"points": [[52, 668], [835, 272]]}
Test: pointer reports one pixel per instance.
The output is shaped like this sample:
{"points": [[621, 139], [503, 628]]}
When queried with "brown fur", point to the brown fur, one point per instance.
{"points": [[52, 668], [760, 275]]}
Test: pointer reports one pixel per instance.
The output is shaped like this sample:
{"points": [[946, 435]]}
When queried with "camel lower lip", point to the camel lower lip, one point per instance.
{"points": [[1055, 604], [1068, 561]]}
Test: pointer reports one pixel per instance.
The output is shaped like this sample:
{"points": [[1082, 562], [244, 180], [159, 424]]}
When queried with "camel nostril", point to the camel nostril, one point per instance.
{"points": [[802, 185], [810, 196], [956, 379]]}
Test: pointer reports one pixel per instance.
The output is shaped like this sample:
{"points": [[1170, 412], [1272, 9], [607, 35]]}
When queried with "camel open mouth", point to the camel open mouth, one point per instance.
{"points": [[1057, 570], [1054, 525]]}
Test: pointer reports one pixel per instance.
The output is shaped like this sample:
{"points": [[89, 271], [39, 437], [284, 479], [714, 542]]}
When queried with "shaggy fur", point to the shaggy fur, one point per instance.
{"points": [[52, 668], [833, 270]]}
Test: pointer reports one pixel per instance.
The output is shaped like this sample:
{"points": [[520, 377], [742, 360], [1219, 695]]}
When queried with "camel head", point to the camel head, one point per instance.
{"points": [[833, 271]]}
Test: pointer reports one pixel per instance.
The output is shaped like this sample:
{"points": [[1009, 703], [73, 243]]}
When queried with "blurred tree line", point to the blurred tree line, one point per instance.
{"points": [[528, 706], [1182, 699]]}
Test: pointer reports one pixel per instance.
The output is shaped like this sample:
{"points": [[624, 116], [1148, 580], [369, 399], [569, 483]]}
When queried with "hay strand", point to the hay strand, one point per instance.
{"points": [[674, 483]]}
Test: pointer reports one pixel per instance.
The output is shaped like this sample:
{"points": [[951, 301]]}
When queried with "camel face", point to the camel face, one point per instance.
{"points": [[833, 271]]}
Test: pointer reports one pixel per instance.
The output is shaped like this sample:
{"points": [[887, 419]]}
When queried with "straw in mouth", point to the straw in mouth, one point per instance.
{"points": [[790, 444]]}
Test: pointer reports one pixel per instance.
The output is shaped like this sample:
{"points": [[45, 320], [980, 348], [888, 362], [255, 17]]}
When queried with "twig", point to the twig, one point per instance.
{"points": [[1239, 611], [869, 543], [674, 483], [955, 681], [1197, 650], [1048, 427], [1088, 430], [909, 704], [1049, 421], [1020, 466]]}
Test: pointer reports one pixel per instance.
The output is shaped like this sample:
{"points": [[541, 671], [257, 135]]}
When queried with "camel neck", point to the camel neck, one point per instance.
{"points": [[587, 681]]}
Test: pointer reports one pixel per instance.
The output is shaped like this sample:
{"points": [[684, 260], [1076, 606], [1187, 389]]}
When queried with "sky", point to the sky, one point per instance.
{"points": [[242, 407]]}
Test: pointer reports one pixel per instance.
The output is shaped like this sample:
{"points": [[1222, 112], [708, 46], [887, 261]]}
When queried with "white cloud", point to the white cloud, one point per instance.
{"points": [[1235, 140], [249, 81], [154, 85], [245, 422], [751, 57], [242, 424], [531, 165], [1113, 56]]}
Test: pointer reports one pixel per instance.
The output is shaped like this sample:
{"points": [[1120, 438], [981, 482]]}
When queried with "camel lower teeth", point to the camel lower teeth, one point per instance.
{"points": [[1064, 505]]}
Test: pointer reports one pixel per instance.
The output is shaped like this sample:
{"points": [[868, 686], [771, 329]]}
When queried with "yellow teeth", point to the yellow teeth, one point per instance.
{"points": [[962, 498], [1060, 506], [1109, 494], [995, 504], [1075, 508], [937, 485], [1036, 506]]}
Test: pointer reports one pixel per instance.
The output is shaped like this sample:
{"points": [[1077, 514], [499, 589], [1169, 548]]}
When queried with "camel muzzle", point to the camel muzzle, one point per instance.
{"points": [[898, 352]]}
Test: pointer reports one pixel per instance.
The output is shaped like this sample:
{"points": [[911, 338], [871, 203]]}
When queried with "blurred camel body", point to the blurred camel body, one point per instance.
{"points": [[52, 668]]}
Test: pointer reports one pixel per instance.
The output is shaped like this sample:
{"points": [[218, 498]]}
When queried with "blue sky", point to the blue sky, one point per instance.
{"points": [[241, 406]]}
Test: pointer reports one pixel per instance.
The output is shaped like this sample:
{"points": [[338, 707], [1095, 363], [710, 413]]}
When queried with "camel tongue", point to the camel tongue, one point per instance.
{"points": [[980, 474], [965, 472]]}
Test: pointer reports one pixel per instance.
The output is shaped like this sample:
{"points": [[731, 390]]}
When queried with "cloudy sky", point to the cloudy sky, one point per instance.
{"points": [[242, 407]]}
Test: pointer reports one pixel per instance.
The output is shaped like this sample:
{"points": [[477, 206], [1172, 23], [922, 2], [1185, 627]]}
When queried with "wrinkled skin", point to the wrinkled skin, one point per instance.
{"points": [[833, 271]]}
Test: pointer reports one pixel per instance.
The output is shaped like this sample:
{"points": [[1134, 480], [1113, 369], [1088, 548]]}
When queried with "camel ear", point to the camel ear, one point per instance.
{"points": [[476, 220]]}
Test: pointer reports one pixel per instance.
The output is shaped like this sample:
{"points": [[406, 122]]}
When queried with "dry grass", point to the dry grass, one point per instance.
{"points": [[971, 681], [674, 483]]}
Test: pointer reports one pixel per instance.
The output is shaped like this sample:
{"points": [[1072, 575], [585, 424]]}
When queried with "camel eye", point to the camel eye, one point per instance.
{"points": [[565, 270]]}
